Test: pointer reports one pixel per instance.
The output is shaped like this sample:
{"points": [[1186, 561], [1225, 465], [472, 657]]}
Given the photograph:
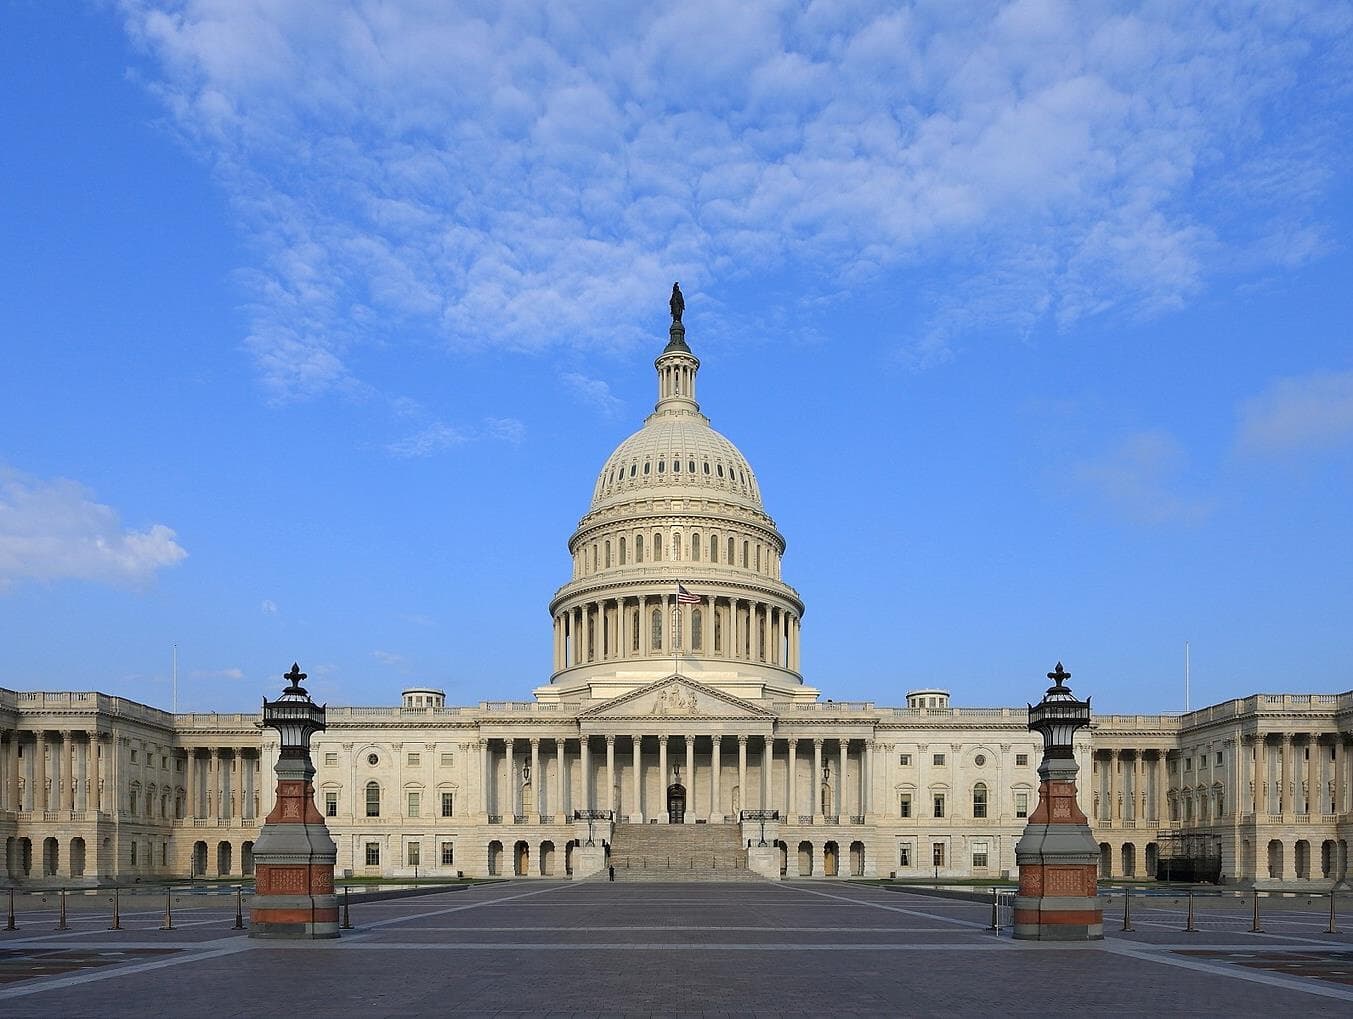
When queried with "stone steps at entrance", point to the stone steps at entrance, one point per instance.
{"points": [[679, 852]]}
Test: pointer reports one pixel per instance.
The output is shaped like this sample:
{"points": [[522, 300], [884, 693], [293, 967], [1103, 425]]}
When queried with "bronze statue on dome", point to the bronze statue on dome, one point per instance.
{"points": [[677, 303]]}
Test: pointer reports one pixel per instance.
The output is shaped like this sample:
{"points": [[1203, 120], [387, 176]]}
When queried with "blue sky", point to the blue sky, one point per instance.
{"points": [[319, 320]]}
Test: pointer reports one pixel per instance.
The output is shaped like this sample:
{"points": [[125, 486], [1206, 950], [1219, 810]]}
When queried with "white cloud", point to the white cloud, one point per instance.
{"points": [[1140, 478], [1310, 412], [507, 429], [527, 178], [433, 439], [269, 607], [389, 658], [595, 393], [54, 530]]}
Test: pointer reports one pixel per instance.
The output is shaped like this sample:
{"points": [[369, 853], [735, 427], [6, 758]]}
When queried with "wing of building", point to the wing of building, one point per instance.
{"points": [[676, 738]]}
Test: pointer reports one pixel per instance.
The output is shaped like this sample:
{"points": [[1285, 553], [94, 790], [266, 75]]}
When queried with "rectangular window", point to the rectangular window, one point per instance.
{"points": [[330, 804], [373, 854], [1219, 757], [133, 755], [939, 804], [904, 760], [448, 854], [1188, 763], [164, 854], [164, 762], [1021, 760], [938, 759], [133, 854], [414, 760], [979, 856], [448, 760], [414, 851], [413, 805], [904, 856], [904, 809], [1021, 804], [937, 854], [373, 800], [448, 801], [331, 759]]}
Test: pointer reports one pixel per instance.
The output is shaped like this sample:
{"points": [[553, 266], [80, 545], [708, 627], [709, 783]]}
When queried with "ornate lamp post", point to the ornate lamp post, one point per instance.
{"points": [[294, 856], [1058, 861]]}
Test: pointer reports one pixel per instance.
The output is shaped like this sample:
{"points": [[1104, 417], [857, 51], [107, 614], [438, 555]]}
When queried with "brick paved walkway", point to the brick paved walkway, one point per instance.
{"points": [[806, 948]]}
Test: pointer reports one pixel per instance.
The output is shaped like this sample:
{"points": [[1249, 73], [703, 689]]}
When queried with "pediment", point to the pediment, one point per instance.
{"points": [[676, 697]]}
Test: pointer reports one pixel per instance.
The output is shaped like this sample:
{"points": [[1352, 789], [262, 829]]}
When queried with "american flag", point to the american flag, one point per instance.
{"points": [[684, 597]]}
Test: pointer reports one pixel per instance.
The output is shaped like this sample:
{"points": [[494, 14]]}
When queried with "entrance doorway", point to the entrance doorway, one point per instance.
{"points": [[676, 804]]}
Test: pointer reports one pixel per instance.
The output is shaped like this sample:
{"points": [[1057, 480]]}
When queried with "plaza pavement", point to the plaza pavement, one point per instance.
{"points": [[546, 947]]}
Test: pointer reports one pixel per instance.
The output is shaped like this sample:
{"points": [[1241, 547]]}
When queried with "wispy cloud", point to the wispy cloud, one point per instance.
{"points": [[1297, 415], [231, 673], [594, 393], [507, 176], [390, 658], [268, 607], [1142, 478], [54, 530], [439, 437]]}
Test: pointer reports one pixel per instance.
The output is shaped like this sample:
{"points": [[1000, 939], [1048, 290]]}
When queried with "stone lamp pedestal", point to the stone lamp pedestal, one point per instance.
{"points": [[294, 855], [1058, 898]]}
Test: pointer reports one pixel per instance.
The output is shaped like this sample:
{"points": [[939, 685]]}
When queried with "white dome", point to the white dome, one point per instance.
{"points": [[671, 456]]}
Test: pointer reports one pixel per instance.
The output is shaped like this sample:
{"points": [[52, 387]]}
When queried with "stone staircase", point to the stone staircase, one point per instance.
{"points": [[679, 852]]}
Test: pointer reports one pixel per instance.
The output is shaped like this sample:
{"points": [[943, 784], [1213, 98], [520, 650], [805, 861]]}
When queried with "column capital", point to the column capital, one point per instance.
{"points": [[742, 738], [818, 741], [610, 739], [662, 741], [535, 742]]}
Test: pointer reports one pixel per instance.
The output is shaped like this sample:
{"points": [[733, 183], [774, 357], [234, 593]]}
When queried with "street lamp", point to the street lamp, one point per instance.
{"points": [[1058, 715]]}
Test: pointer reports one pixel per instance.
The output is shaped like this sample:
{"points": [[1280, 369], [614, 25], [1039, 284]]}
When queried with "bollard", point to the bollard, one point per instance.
{"points": [[239, 908], [995, 920], [168, 924], [1255, 928], [1191, 927], [11, 925], [116, 925], [1332, 928], [61, 924], [1127, 910], [347, 917]]}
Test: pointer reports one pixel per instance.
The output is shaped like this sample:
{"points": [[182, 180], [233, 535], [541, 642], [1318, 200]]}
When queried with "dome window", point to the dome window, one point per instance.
{"points": [[691, 466], [706, 468], [719, 468], [662, 466], [633, 468], [647, 465], [676, 466]]}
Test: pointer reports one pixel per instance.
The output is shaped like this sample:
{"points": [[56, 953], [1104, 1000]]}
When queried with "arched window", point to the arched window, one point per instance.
{"points": [[638, 548], [746, 553], [657, 629], [718, 631], [607, 555], [638, 619], [697, 638], [695, 548], [758, 558], [713, 549], [676, 547], [657, 548], [979, 800], [729, 558], [622, 551], [373, 799]]}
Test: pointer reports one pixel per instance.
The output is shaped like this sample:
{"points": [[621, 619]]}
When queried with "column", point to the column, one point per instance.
{"points": [[1115, 786], [690, 777], [67, 770], [736, 618], [1285, 796], [742, 772], [1260, 790], [812, 786], [767, 762], [792, 785], [214, 801], [844, 747], [510, 752], [1312, 802], [483, 746], [559, 808], [867, 783], [664, 778], [1138, 790], [1340, 796], [585, 754], [40, 798], [610, 774], [715, 809], [637, 811], [646, 640], [537, 779]]}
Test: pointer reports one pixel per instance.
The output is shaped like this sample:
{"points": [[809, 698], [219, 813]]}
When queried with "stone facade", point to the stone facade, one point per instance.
{"points": [[646, 694]]}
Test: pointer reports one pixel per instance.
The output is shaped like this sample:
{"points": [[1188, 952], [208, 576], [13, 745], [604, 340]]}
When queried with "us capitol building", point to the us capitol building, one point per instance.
{"points": [[676, 737]]}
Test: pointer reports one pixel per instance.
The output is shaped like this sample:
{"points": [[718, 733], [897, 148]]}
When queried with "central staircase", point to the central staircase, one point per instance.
{"points": [[679, 852]]}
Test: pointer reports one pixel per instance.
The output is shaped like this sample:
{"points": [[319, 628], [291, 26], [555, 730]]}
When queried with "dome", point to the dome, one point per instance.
{"points": [[676, 456]]}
